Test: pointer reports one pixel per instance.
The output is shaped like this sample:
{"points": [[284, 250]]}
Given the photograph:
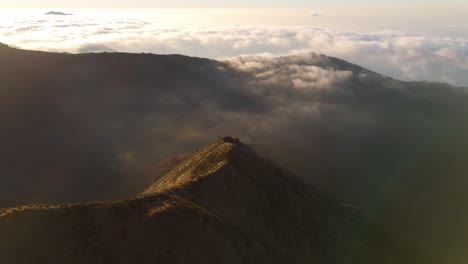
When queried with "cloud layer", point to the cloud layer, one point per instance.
{"points": [[397, 54]]}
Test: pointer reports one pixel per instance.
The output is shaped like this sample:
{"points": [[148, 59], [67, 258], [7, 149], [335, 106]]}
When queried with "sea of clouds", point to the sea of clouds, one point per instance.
{"points": [[407, 56]]}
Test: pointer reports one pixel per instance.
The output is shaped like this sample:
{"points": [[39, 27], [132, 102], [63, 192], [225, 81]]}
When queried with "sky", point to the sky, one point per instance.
{"points": [[406, 40], [214, 3]]}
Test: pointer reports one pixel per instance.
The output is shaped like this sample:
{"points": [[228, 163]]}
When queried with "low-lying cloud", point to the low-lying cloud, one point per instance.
{"points": [[306, 76]]}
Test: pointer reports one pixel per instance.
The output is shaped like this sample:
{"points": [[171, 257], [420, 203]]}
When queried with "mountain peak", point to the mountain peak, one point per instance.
{"points": [[203, 163], [225, 204], [56, 13], [252, 194]]}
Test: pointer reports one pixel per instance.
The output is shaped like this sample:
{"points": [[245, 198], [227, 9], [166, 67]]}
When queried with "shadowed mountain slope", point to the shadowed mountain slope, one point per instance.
{"points": [[95, 127], [225, 204]]}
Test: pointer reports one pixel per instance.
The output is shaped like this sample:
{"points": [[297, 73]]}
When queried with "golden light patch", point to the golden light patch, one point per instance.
{"points": [[159, 209]]}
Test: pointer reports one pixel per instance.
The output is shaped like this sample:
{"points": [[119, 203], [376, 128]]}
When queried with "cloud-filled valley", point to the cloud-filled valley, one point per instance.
{"points": [[104, 126]]}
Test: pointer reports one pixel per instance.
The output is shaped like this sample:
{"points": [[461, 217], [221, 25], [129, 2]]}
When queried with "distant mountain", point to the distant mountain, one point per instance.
{"points": [[93, 127], [225, 204], [95, 48], [55, 13]]}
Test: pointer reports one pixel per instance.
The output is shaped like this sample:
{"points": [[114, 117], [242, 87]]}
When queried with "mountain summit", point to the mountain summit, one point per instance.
{"points": [[225, 204], [56, 13], [279, 217]]}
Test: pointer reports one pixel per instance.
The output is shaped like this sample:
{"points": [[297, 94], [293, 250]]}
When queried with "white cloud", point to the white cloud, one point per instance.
{"points": [[291, 72], [400, 55]]}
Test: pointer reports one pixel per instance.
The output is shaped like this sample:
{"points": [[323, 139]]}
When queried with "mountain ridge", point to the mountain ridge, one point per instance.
{"points": [[155, 204], [260, 214]]}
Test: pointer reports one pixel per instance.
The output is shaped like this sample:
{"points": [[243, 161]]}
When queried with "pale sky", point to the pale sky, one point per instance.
{"points": [[215, 3]]}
